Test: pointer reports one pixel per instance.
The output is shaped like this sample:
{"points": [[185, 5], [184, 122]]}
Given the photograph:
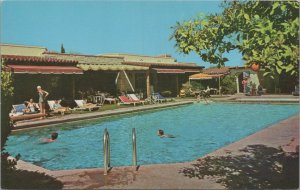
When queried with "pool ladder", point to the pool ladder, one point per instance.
{"points": [[106, 150]]}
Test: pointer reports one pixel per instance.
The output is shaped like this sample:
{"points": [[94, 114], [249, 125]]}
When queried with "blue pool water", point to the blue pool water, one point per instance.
{"points": [[199, 129]]}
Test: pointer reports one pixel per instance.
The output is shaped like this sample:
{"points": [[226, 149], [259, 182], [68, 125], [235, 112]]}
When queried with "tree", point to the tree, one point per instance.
{"points": [[62, 49], [228, 84], [265, 32], [7, 92]]}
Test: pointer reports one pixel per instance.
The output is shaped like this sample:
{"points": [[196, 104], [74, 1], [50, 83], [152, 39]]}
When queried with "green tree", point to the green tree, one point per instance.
{"points": [[265, 32], [62, 49], [228, 84], [7, 92]]}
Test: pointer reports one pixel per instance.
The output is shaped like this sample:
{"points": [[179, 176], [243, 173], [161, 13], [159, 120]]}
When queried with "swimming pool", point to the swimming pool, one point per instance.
{"points": [[199, 129]]}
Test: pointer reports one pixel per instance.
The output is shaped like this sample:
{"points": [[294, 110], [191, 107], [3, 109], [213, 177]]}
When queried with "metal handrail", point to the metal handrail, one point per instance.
{"points": [[106, 151], [134, 157]]}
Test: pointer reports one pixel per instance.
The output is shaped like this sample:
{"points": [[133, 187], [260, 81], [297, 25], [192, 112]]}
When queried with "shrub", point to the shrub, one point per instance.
{"points": [[228, 84]]}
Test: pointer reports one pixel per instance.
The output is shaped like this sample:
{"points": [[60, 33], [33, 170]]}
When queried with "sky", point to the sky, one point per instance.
{"points": [[99, 27]]}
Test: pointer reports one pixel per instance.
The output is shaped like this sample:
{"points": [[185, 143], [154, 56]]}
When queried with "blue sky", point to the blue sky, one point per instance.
{"points": [[97, 27]]}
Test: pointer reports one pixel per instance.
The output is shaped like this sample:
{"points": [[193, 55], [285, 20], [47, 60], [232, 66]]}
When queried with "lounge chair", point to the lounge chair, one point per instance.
{"points": [[134, 97], [108, 98], [157, 97], [82, 105], [126, 101], [19, 114], [61, 110]]}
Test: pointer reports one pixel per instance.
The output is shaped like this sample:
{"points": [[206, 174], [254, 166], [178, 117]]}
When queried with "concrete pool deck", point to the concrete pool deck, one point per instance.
{"points": [[284, 134], [96, 114], [270, 98]]}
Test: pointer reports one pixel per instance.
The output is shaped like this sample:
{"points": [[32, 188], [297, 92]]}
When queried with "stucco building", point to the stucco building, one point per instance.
{"points": [[63, 75]]}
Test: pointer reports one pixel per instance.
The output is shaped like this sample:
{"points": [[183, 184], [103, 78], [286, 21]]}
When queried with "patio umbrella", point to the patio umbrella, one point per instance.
{"points": [[203, 76]]}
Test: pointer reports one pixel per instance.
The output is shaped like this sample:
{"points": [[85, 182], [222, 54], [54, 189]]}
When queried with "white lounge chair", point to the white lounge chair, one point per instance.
{"points": [[135, 98], [82, 105], [61, 110]]}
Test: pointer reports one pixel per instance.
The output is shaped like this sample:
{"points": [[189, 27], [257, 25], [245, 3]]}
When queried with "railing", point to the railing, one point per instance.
{"points": [[134, 157], [106, 151]]}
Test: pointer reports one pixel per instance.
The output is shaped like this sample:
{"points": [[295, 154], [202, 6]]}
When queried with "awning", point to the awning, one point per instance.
{"points": [[191, 70], [44, 69], [112, 67], [203, 76], [173, 71]]}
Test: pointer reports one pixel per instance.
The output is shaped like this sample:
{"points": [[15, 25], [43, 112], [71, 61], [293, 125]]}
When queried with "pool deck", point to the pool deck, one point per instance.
{"points": [[284, 134], [96, 114], [241, 98]]}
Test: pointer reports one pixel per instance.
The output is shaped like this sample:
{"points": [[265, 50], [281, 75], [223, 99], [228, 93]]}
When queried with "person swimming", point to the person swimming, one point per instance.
{"points": [[162, 134], [53, 138]]}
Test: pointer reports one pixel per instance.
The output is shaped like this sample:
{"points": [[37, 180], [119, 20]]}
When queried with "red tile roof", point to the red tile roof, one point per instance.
{"points": [[222, 70], [83, 55], [44, 69], [32, 59]]}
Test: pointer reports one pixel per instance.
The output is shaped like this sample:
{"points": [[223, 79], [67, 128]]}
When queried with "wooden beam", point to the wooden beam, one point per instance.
{"points": [[128, 80], [116, 81]]}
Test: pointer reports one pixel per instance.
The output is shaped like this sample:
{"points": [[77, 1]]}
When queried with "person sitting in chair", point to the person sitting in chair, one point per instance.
{"points": [[31, 107], [58, 108]]}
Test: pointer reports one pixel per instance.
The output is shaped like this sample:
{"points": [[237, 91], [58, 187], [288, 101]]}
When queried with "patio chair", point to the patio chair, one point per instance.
{"points": [[98, 99], [83, 106], [204, 93], [182, 93], [135, 98], [61, 110], [126, 101], [108, 98], [157, 97], [18, 113]]}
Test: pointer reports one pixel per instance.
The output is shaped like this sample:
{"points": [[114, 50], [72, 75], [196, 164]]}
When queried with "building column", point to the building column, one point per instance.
{"points": [[155, 82], [237, 84], [177, 87], [73, 87], [148, 83]]}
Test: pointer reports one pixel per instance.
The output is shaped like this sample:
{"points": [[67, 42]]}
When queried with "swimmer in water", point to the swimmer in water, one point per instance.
{"points": [[53, 138], [162, 134]]}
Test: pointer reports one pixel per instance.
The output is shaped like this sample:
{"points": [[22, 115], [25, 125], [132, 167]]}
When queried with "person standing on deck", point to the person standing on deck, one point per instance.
{"points": [[244, 82], [42, 98]]}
